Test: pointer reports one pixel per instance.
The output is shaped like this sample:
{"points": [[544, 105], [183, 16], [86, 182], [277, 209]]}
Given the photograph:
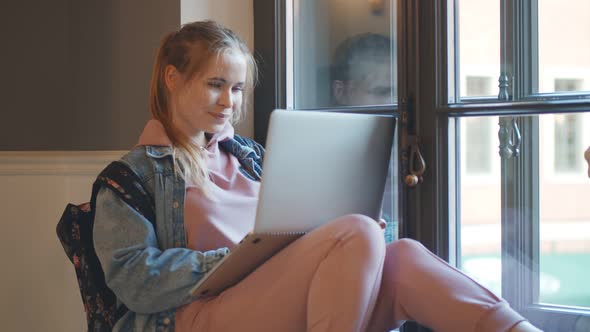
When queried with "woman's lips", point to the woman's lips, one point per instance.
{"points": [[219, 116]]}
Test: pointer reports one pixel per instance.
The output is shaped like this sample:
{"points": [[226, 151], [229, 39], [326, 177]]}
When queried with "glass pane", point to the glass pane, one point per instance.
{"points": [[480, 205], [344, 53], [390, 205], [564, 46], [479, 47], [562, 212]]}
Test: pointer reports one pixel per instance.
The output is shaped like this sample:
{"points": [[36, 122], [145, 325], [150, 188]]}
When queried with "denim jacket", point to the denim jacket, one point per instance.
{"points": [[146, 263]]}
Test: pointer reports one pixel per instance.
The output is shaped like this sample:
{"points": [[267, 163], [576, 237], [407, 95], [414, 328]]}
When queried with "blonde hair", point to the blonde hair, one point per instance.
{"points": [[189, 50]]}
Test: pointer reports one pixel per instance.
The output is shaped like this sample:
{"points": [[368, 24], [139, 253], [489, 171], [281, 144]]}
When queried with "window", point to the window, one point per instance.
{"points": [[478, 144], [478, 86], [343, 53], [563, 45], [522, 233], [567, 138], [495, 93], [479, 61], [338, 56], [343, 59], [568, 84]]}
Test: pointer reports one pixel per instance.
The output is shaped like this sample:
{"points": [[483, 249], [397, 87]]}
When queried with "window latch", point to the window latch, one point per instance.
{"points": [[510, 139], [416, 164]]}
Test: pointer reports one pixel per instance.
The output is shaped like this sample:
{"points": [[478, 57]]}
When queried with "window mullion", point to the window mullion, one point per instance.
{"points": [[506, 55], [519, 49], [520, 173], [525, 48], [520, 216]]}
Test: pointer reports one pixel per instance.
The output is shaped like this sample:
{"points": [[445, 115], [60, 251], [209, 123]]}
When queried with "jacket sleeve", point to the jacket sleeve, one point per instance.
{"points": [[146, 279]]}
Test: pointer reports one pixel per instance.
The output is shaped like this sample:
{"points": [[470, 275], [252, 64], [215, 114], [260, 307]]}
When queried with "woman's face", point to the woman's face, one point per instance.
{"points": [[206, 103]]}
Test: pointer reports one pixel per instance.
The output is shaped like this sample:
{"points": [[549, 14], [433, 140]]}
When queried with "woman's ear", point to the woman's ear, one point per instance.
{"points": [[171, 78]]}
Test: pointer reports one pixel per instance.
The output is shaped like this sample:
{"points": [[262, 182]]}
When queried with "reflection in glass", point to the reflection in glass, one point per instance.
{"points": [[564, 46], [568, 142], [390, 204], [564, 193], [361, 71], [479, 48], [480, 205], [344, 53], [479, 86], [563, 208], [479, 140]]}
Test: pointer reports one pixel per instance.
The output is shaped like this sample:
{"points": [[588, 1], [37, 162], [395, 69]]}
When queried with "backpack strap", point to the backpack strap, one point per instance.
{"points": [[74, 231], [126, 184]]}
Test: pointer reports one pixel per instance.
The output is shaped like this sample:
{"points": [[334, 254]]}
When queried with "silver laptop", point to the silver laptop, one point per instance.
{"points": [[318, 166]]}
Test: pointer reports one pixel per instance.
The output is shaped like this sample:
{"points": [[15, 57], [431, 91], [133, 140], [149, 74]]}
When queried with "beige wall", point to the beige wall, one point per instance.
{"points": [[70, 64], [38, 283], [103, 52], [76, 74]]}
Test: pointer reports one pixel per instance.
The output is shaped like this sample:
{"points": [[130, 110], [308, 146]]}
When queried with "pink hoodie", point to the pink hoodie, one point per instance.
{"points": [[224, 218]]}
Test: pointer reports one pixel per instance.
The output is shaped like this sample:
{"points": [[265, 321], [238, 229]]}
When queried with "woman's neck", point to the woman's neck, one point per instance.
{"points": [[200, 139]]}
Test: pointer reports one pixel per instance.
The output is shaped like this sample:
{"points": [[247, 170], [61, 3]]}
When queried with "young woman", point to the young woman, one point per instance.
{"points": [[205, 181]]}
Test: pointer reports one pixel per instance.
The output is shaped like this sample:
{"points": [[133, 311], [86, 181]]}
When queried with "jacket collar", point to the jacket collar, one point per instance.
{"points": [[158, 151]]}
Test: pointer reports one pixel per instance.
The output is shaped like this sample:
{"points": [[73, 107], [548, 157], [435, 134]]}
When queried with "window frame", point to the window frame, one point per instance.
{"points": [[429, 105], [269, 50], [520, 176]]}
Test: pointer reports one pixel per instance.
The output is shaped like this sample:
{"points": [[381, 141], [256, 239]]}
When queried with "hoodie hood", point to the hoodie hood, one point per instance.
{"points": [[155, 134]]}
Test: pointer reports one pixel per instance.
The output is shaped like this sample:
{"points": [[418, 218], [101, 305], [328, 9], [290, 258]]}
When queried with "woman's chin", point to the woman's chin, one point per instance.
{"points": [[215, 128]]}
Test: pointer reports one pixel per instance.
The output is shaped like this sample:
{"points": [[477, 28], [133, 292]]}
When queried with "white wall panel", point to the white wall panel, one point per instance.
{"points": [[38, 284]]}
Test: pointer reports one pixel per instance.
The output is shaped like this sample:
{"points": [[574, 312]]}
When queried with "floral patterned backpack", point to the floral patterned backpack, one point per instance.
{"points": [[74, 230]]}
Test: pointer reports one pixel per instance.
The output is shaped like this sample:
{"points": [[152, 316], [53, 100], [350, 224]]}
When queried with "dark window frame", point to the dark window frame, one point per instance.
{"points": [[429, 103]]}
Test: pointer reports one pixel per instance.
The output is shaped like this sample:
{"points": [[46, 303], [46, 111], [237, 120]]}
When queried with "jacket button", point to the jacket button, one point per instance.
{"points": [[175, 204], [177, 244], [166, 321]]}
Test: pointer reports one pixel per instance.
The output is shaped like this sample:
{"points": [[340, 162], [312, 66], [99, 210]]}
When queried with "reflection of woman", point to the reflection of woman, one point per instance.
{"points": [[205, 181], [361, 75], [587, 156], [362, 72]]}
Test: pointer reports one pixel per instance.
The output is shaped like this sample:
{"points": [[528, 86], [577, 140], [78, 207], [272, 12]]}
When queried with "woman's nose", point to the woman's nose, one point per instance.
{"points": [[225, 99]]}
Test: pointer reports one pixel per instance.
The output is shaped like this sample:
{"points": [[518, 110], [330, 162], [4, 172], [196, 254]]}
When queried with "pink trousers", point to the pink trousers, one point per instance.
{"points": [[342, 277]]}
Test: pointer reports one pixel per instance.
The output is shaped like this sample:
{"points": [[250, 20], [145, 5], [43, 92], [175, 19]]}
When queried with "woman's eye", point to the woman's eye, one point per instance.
{"points": [[238, 88], [216, 85]]}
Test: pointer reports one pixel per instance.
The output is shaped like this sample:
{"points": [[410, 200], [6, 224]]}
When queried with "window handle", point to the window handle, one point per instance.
{"points": [[417, 165], [510, 138], [516, 138]]}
